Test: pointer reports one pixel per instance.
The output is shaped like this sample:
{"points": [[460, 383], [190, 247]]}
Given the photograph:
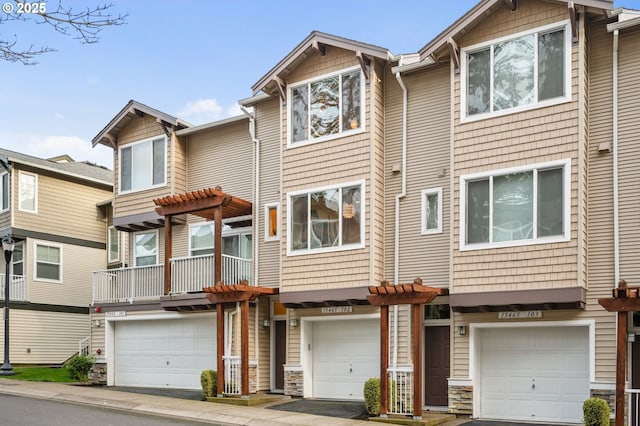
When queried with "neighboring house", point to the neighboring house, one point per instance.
{"points": [[51, 208], [496, 164]]}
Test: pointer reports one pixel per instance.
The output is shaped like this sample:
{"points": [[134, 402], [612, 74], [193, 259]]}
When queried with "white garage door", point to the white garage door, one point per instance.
{"points": [[535, 374], [345, 355], [163, 353]]}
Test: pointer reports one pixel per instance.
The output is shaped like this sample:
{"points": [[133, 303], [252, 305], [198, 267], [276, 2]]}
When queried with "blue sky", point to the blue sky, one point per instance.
{"points": [[189, 58]]}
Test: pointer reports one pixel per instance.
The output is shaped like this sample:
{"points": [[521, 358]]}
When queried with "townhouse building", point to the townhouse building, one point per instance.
{"points": [[492, 169], [52, 209]]}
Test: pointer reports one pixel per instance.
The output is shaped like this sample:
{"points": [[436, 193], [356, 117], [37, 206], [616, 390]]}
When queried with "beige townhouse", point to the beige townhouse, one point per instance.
{"points": [[51, 209]]}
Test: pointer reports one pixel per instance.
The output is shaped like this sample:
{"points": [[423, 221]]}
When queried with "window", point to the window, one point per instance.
{"points": [[325, 219], [4, 191], [113, 237], [237, 242], [516, 73], [271, 221], [432, 211], [201, 239], [142, 164], [516, 206], [326, 107], [18, 259], [28, 192], [48, 262], [146, 248]]}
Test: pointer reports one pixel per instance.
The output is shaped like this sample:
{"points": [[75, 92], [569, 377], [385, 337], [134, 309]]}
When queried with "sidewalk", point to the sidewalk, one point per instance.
{"points": [[199, 411]]}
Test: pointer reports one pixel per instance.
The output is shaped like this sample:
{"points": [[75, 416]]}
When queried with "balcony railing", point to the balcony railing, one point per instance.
{"points": [[400, 390], [189, 274], [17, 288]]}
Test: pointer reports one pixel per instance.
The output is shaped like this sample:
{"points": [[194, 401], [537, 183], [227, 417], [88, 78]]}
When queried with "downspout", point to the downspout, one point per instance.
{"points": [[399, 196], [616, 218]]}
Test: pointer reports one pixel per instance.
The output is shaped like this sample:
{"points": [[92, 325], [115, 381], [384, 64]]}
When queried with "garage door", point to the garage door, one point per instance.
{"points": [[163, 353], [535, 374], [345, 355]]}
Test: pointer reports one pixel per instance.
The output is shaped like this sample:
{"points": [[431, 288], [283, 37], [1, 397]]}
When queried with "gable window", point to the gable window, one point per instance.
{"points": [[516, 206], [27, 192], [113, 237], [4, 191], [271, 220], [145, 248], [432, 211], [326, 107], [48, 262], [326, 219], [201, 239], [516, 73], [143, 165]]}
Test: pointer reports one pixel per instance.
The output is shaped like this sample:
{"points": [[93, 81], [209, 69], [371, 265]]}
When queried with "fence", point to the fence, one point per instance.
{"points": [[232, 374]]}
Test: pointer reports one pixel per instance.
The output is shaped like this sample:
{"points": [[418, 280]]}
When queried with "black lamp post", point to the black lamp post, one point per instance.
{"points": [[7, 245]]}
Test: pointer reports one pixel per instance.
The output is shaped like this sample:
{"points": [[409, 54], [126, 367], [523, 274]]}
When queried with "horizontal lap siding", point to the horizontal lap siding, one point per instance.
{"points": [[378, 189]]}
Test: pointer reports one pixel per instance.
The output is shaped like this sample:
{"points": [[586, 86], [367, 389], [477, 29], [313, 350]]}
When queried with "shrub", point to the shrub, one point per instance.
{"points": [[596, 412], [372, 396], [79, 367], [209, 383]]}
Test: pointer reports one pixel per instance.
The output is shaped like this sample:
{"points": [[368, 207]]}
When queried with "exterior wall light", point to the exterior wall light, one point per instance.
{"points": [[462, 330], [293, 322], [266, 323]]}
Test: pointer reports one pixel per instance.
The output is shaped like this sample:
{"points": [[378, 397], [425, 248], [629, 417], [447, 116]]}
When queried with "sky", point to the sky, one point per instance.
{"points": [[193, 59]]}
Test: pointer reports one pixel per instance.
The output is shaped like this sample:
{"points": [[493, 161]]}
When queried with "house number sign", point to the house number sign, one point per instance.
{"points": [[115, 314], [336, 309], [519, 314]]}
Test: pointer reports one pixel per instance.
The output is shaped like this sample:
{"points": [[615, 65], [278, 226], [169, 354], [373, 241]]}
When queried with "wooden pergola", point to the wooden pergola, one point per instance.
{"points": [[625, 299], [415, 294]]}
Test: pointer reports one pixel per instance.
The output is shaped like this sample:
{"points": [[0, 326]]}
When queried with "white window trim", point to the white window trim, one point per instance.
{"points": [[301, 252], [464, 118], [566, 234], [37, 243], [35, 195], [199, 224], [135, 258], [341, 133], [119, 240], [130, 145], [267, 219], [423, 198], [2, 191]]}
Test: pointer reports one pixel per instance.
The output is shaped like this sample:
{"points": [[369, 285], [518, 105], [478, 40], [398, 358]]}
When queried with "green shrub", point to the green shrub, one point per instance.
{"points": [[372, 396], [596, 412], [209, 383], [79, 367]]}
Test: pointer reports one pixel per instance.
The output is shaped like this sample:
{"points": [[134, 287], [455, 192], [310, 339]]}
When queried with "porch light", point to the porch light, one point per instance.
{"points": [[293, 322], [462, 330], [266, 323]]}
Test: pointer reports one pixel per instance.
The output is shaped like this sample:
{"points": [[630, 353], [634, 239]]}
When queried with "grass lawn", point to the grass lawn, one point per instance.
{"points": [[41, 374]]}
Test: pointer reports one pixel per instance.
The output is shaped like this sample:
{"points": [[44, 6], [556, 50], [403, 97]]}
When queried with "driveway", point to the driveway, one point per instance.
{"points": [[325, 407]]}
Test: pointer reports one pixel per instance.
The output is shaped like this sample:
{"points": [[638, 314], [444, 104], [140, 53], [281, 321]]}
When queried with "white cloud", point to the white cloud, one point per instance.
{"points": [[203, 111]]}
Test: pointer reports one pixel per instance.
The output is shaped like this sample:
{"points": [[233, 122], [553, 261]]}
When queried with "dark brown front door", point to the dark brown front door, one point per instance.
{"points": [[280, 353], [436, 365]]}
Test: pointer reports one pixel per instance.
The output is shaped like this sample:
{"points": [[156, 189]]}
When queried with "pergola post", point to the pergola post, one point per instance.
{"points": [[217, 245], [244, 348], [417, 360], [220, 348], [621, 366], [167, 253], [384, 359]]}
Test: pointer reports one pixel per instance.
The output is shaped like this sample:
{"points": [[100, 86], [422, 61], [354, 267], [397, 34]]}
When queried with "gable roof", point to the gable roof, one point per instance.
{"points": [[311, 43], [133, 109], [74, 169]]}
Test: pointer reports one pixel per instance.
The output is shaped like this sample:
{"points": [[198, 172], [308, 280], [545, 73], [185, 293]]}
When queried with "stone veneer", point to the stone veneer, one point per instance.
{"points": [[461, 399], [608, 395], [293, 382], [98, 373], [253, 378]]}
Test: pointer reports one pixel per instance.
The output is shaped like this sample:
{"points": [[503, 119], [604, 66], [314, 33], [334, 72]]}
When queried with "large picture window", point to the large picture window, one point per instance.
{"points": [[48, 262], [143, 164], [146, 248], [516, 73], [326, 107], [516, 206], [326, 219]]}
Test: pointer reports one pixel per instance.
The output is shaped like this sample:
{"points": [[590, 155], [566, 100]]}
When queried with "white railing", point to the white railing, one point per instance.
{"points": [[189, 274], [633, 401], [232, 374], [235, 269], [128, 284], [83, 346], [17, 287], [400, 390]]}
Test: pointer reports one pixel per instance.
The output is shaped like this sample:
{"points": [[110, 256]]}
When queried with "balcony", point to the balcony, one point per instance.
{"points": [[188, 275], [17, 288]]}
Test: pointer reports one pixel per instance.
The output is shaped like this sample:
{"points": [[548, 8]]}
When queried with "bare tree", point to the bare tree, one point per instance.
{"points": [[83, 24]]}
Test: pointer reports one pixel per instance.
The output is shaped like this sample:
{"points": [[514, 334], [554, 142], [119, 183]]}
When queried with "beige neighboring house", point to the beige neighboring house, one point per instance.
{"points": [[52, 209]]}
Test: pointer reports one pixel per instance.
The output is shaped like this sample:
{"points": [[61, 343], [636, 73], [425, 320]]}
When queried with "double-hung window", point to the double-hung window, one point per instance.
{"points": [[145, 248], [48, 262], [326, 107], [326, 219], [516, 73], [201, 239], [143, 164], [4, 191], [524, 205], [27, 192]]}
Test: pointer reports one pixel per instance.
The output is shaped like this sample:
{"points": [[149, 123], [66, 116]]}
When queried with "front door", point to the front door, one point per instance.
{"points": [[280, 353], [436, 365]]}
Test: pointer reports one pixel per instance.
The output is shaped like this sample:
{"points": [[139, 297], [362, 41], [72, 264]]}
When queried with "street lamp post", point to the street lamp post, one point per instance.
{"points": [[7, 245]]}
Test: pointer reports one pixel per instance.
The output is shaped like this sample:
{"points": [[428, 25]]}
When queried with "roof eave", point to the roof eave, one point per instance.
{"points": [[60, 172], [212, 125]]}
